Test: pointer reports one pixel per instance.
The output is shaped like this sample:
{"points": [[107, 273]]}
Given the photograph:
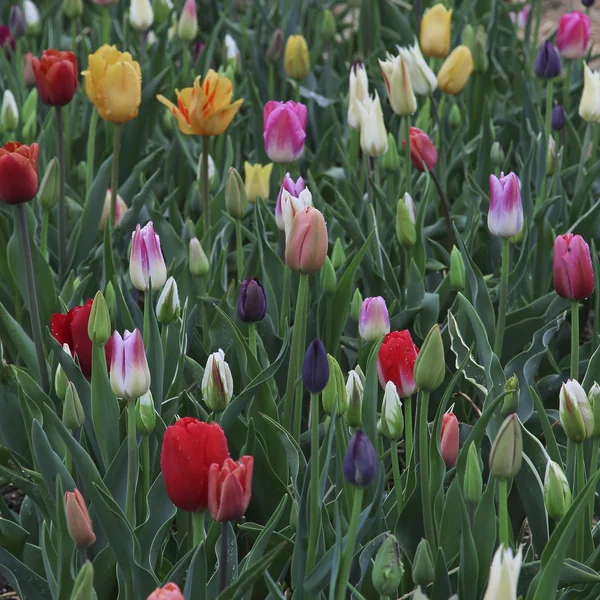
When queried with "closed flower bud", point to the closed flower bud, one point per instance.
{"points": [[73, 415], [212, 172], [315, 368], [111, 301], [60, 377], [547, 62], [120, 210], [374, 320], [551, 158], [504, 574], [284, 131], [129, 372], [435, 31], [423, 153], [557, 493], [230, 488], [231, 53], [198, 263], [141, 15], [430, 366], [588, 3], [412, 208], [252, 301], [572, 270], [29, 80], [356, 305], [456, 70], [497, 154], [16, 22], [83, 588], [306, 247], [170, 591], [422, 568], [397, 83], [481, 62], [33, 21], [217, 383], [360, 461], [338, 254], [390, 161], [257, 181], [360, 374], [296, 61], [335, 390], [9, 113], [589, 105], [168, 308], [328, 25], [505, 215], [146, 262], [145, 415], [473, 481], [455, 117], [358, 93], [236, 199], [73, 9], [79, 523], [511, 401], [449, 439], [275, 49], [575, 412], [558, 118], [328, 278], [594, 399], [392, 419], [406, 231], [388, 569], [99, 325], [507, 451], [162, 9], [354, 396], [457, 270], [187, 27], [49, 190], [373, 135]]}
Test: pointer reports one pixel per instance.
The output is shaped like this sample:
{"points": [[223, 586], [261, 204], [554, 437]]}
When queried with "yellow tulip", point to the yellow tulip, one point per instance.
{"points": [[435, 31], [257, 181], [206, 108], [113, 83], [455, 71], [296, 61]]}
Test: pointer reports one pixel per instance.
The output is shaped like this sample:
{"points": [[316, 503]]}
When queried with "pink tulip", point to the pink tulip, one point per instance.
{"points": [[422, 151], [306, 247], [294, 189], [374, 320], [573, 34], [521, 17], [129, 372], [449, 439], [284, 130], [146, 262], [79, 523], [505, 216], [230, 488], [572, 268], [170, 591]]}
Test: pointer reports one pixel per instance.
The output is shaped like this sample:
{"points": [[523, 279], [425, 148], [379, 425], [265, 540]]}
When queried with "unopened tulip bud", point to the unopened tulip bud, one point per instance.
{"points": [[306, 246], [435, 31], [572, 270], [594, 400], [338, 255], [497, 155], [275, 49], [99, 324], [111, 302], [457, 270], [81, 172], [296, 60], [468, 35], [575, 412], [252, 301], [29, 80], [145, 415], [507, 451], [198, 262], [374, 320], [449, 439], [473, 481], [141, 15], [83, 587], [406, 231], [217, 383], [73, 9], [588, 3], [360, 461], [49, 190], [162, 9], [412, 208], [551, 158], [187, 27], [33, 21], [9, 113], [188, 230], [60, 377], [334, 394], [356, 305], [73, 415], [358, 93], [360, 374], [16, 22], [79, 523], [236, 199], [455, 71], [430, 366], [455, 117], [354, 396], [315, 367], [170, 591], [558, 118], [129, 372], [168, 308], [390, 161], [388, 569], [511, 401], [392, 419], [329, 28], [120, 209], [422, 569], [589, 107], [547, 61], [328, 278], [557, 493], [146, 262]]}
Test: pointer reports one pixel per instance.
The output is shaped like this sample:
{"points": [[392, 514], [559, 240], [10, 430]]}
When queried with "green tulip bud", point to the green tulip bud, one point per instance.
{"points": [[354, 396], [73, 9], [507, 451], [49, 190], [198, 262], [355, 305], [111, 302], [145, 415], [388, 569], [557, 493], [455, 119], [497, 155], [328, 278], [473, 482], [335, 390], [468, 35], [189, 230], [392, 420], [422, 568], [99, 325], [594, 400], [83, 588], [390, 161], [29, 131], [328, 25], [405, 227], [9, 113], [511, 402], [73, 415], [430, 366], [81, 171], [338, 255], [360, 374], [457, 270], [575, 411], [168, 308], [236, 199], [60, 377], [161, 9]]}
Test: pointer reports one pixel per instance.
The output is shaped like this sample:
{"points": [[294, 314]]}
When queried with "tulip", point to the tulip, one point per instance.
{"points": [[594, 399], [422, 151], [315, 368], [79, 523], [334, 394], [252, 303], [33, 21], [56, 77], [161, 9], [457, 270], [558, 118], [197, 260], [354, 396], [73, 9], [294, 190], [422, 568], [456, 70], [589, 106], [406, 231], [588, 3], [360, 461], [430, 365], [146, 262], [129, 372], [18, 172], [572, 269], [257, 181], [145, 414], [73, 415], [412, 208], [355, 305], [387, 568], [60, 378], [290, 206], [306, 247], [230, 488], [231, 52], [204, 109], [557, 493], [170, 591], [473, 481], [422, 78], [99, 322], [168, 308], [358, 93], [141, 15], [505, 216], [16, 22], [29, 80], [576, 415], [189, 448], [284, 130], [497, 154], [113, 83], [236, 199], [547, 62], [119, 214], [449, 439], [9, 113], [477, 47], [396, 362], [83, 586], [504, 575], [7, 41], [275, 49], [338, 254], [573, 34], [510, 404], [373, 135], [296, 61], [212, 172], [521, 17], [397, 82], [217, 382], [374, 321], [391, 424], [187, 27], [327, 278], [507, 450], [435, 31]]}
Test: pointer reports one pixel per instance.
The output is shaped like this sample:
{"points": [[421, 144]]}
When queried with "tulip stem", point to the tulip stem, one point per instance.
{"points": [[315, 515], [44, 233], [239, 250], [91, 151], [566, 86], [408, 429], [580, 484], [252, 338], [574, 339], [346, 560], [503, 297], [583, 156], [132, 464], [115, 174], [198, 534], [547, 134], [404, 132], [223, 556], [145, 473], [342, 443], [271, 80], [424, 467], [34, 313], [285, 300], [205, 188], [396, 472], [503, 512], [142, 52], [106, 25], [445, 208], [62, 209]]}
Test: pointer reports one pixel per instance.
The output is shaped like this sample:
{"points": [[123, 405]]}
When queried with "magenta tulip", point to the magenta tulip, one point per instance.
{"points": [[573, 34], [505, 216], [572, 268], [284, 130]]}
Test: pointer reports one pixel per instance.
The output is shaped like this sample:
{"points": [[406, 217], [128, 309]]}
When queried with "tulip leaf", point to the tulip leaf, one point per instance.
{"points": [[154, 350], [551, 445], [195, 581], [450, 526], [469, 561], [442, 587], [484, 531], [23, 580]]}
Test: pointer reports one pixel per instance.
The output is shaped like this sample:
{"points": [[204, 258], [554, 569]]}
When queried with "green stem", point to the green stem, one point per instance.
{"points": [[205, 190], [198, 534], [239, 250], [271, 81], [503, 512], [593, 467], [595, 144], [574, 339], [408, 429], [252, 338], [185, 63], [502, 300], [106, 25], [19, 62], [44, 233], [74, 36], [424, 467], [285, 299], [91, 151], [407, 160], [547, 134], [566, 86], [297, 92], [342, 443], [582, 158], [163, 338], [346, 560], [115, 174], [223, 556], [132, 464], [34, 313], [396, 472], [142, 52], [145, 474], [353, 147], [580, 481], [315, 515], [62, 209]]}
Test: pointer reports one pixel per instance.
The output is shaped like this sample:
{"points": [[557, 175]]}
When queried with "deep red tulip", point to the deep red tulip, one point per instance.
{"points": [[449, 439], [56, 77], [18, 172], [422, 150], [572, 268], [396, 362], [230, 488], [7, 41], [189, 448]]}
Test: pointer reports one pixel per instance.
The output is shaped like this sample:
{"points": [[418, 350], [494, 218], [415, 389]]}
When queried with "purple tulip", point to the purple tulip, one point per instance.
{"points": [[505, 216], [374, 320], [558, 118], [360, 462], [284, 130], [294, 189], [252, 303], [315, 368], [547, 61], [146, 262]]}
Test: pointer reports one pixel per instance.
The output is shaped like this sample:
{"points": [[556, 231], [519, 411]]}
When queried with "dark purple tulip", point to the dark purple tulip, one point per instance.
{"points": [[587, 3], [252, 303], [547, 61], [16, 22], [558, 118], [197, 51], [360, 462], [315, 368]]}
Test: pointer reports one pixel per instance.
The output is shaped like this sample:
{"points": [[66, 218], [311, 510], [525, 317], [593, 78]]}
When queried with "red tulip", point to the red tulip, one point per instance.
{"points": [[572, 268], [230, 488], [396, 362], [7, 41], [18, 172], [449, 439], [56, 77], [422, 150], [189, 448]]}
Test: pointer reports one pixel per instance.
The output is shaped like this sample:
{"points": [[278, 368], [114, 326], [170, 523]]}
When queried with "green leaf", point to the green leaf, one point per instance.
{"points": [[467, 574], [484, 532], [195, 581], [473, 372], [26, 582]]}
